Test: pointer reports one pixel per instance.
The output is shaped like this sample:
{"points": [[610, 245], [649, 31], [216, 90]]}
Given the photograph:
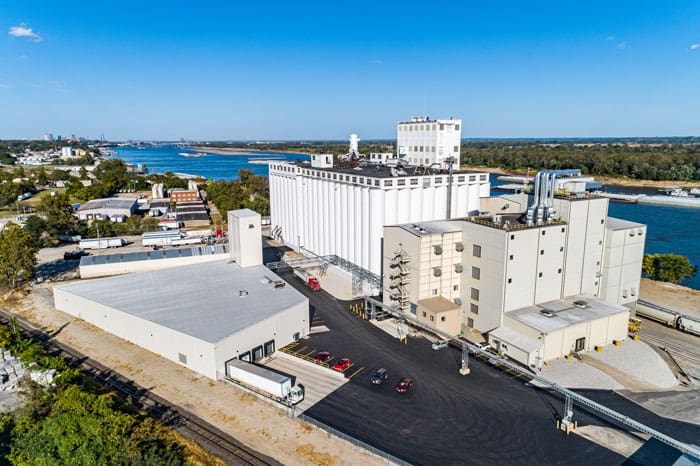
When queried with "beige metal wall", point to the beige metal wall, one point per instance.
{"points": [[120, 268], [622, 264]]}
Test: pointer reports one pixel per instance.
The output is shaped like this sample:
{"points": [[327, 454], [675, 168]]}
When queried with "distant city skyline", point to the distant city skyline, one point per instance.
{"points": [[320, 71]]}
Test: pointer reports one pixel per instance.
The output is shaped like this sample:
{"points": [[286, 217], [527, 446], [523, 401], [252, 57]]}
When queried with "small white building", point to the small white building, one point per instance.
{"points": [[115, 209], [422, 141]]}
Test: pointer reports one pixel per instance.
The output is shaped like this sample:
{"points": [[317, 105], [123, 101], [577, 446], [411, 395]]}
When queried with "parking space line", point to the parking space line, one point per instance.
{"points": [[301, 349], [312, 351], [355, 373], [347, 368]]}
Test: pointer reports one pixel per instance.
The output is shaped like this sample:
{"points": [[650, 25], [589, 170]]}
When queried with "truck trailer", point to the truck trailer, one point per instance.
{"points": [[102, 243], [258, 378], [310, 280], [160, 238]]}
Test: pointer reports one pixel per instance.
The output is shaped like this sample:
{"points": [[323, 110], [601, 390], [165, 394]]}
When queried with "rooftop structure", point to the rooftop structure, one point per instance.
{"points": [[422, 141], [112, 208]]}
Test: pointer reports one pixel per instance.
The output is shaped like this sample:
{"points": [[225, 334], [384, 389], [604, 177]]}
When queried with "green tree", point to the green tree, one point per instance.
{"points": [[56, 210], [17, 256], [36, 226], [668, 267]]}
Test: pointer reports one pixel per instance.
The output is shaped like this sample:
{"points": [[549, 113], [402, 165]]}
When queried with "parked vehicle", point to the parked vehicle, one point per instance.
{"points": [[404, 385], [310, 280], [102, 243], [160, 238], [75, 254], [440, 344], [379, 376], [342, 365], [322, 356], [683, 322], [261, 379]]}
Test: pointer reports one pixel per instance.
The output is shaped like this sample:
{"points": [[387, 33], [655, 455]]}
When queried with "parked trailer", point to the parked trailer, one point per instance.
{"points": [[102, 243], [310, 280], [659, 314], [185, 241], [255, 377], [690, 324], [160, 238]]}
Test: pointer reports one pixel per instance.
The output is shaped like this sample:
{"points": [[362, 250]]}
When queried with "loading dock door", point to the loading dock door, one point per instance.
{"points": [[257, 353], [245, 356], [580, 344], [269, 347]]}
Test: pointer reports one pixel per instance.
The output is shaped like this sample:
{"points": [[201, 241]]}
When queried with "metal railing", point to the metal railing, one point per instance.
{"points": [[381, 453]]}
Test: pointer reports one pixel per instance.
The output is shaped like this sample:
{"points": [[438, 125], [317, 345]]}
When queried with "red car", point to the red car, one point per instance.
{"points": [[342, 365], [322, 356], [404, 385]]}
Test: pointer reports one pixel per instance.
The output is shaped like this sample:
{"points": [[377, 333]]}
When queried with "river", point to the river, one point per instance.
{"points": [[669, 229]]}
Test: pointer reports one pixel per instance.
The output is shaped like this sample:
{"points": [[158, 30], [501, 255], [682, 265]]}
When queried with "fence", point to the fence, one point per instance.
{"points": [[381, 453]]}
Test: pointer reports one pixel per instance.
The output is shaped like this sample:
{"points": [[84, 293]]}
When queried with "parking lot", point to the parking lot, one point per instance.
{"points": [[445, 418]]}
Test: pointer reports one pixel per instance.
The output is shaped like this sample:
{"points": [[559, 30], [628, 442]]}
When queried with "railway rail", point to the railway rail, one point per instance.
{"points": [[207, 436]]}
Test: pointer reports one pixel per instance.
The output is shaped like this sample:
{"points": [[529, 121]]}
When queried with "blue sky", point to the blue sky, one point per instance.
{"points": [[302, 70]]}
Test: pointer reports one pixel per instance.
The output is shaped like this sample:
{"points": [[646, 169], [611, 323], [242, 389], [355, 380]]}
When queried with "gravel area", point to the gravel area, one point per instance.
{"points": [[636, 360], [576, 374], [672, 296]]}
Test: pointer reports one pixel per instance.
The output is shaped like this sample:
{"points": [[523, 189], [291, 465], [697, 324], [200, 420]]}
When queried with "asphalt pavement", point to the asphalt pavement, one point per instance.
{"points": [[486, 417]]}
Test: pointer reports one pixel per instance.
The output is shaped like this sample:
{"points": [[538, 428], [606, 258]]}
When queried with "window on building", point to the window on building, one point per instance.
{"points": [[510, 257], [437, 271], [376, 182], [558, 270], [415, 148], [460, 179], [401, 182], [474, 309], [425, 314], [540, 274], [459, 247], [455, 288], [387, 182], [457, 301], [456, 127], [432, 318], [438, 180], [442, 318], [476, 250], [602, 221], [414, 181], [561, 249], [438, 250], [420, 148], [459, 268], [563, 229], [512, 236], [432, 149], [543, 232], [456, 149], [474, 294], [442, 127], [434, 291], [476, 273], [541, 252], [510, 280]]}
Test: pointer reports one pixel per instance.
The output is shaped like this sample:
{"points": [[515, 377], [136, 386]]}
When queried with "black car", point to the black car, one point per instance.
{"points": [[379, 376], [75, 254]]}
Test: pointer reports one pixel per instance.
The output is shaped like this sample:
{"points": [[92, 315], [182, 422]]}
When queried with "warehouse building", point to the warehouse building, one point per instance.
{"points": [[198, 315], [558, 247], [116, 209]]}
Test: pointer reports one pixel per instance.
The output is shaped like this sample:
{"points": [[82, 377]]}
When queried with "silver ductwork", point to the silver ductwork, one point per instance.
{"points": [[542, 207]]}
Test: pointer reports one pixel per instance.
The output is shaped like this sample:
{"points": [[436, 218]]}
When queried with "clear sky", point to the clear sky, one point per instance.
{"points": [[299, 70]]}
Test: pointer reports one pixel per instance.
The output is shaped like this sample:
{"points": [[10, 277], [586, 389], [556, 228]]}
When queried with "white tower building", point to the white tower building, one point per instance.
{"points": [[245, 237], [423, 141]]}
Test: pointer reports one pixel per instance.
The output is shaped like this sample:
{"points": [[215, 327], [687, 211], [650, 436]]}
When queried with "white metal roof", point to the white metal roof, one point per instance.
{"points": [[614, 223], [201, 300], [431, 228], [109, 203], [565, 313], [516, 339]]}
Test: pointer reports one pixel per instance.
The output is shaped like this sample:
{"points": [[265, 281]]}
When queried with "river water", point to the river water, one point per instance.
{"points": [[669, 229]]}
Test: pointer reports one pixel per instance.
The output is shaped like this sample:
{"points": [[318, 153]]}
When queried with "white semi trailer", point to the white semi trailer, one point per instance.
{"points": [[258, 378], [102, 243]]}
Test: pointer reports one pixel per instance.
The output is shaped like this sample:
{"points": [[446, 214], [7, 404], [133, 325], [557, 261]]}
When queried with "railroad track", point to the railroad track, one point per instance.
{"points": [[190, 426]]}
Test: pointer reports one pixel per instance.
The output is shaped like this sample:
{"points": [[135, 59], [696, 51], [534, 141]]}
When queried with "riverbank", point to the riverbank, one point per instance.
{"points": [[242, 151], [676, 297]]}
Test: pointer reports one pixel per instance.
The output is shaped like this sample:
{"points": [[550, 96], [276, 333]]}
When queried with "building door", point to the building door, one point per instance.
{"points": [[269, 347], [257, 353], [580, 344], [470, 322]]}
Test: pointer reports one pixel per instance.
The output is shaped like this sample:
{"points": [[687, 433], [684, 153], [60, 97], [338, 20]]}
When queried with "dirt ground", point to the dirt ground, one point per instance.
{"points": [[669, 295], [253, 422]]}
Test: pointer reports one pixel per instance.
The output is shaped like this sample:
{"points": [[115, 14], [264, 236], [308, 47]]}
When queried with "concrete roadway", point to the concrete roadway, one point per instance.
{"points": [[487, 417]]}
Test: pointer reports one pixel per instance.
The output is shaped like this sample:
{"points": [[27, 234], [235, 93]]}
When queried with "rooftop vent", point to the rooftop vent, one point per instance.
{"points": [[242, 293], [580, 303], [547, 312]]}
